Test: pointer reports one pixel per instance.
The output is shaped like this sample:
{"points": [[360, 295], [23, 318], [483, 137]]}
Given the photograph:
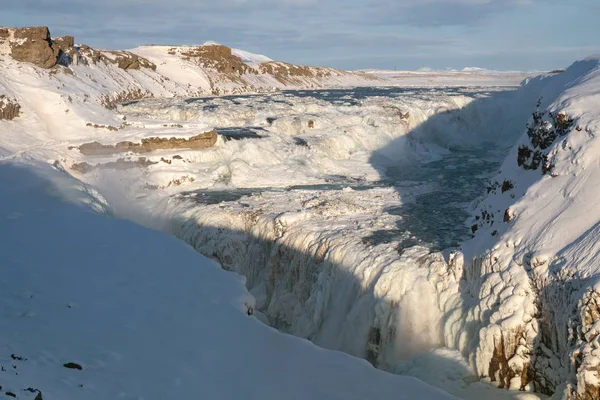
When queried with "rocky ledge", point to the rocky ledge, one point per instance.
{"points": [[35, 45], [201, 141]]}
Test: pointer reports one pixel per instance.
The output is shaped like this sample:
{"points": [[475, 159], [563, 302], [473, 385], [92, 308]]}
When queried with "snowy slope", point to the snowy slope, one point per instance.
{"points": [[250, 58], [142, 314], [534, 271]]}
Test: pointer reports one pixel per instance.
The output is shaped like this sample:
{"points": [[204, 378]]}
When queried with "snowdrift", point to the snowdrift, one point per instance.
{"points": [[100, 308]]}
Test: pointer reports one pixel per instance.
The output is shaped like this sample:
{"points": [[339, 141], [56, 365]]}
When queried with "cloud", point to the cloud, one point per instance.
{"points": [[309, 30], [437, 13]]}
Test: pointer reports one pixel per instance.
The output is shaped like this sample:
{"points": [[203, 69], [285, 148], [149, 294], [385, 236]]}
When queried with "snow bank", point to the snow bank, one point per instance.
{"points": [[532, 272], [138, 314]]}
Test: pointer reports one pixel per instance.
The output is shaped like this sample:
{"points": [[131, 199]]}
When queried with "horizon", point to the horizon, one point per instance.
{"points": [[501, 35]]}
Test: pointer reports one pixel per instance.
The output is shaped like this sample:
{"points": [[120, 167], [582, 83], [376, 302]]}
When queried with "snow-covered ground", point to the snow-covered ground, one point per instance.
{"points": [[343, 208], [100, 308]]}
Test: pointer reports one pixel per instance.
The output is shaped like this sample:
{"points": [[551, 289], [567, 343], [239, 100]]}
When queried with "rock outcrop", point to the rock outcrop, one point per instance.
{"points": [[33, 45], [290, 73], [201, 141], [4, 35], [64, 42], [9, 109], [218, 58]]}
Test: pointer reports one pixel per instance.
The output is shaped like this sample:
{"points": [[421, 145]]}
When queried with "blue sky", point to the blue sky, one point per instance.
{"points": [[351, 34]]}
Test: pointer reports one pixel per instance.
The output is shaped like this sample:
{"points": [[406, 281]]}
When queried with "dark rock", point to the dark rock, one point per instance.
{"points": [[300, 142], [19, 358], [72, 365], [64, 42], [11, 394], [474, 228], [507, 216], [507, 185], [373, 345]]}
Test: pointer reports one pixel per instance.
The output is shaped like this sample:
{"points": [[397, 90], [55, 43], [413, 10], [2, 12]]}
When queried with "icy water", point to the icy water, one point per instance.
{"points": [[435, 219]]}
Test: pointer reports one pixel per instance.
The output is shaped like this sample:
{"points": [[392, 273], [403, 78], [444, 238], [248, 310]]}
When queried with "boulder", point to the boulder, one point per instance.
{"points": [[33, 45], [64, 42]]}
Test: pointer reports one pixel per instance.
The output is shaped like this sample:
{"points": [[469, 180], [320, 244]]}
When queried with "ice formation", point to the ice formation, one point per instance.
{"points": [[343, 209]]}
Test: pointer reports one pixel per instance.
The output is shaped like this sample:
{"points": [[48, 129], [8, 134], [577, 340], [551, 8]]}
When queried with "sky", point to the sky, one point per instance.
{"points": [[350, 34]]}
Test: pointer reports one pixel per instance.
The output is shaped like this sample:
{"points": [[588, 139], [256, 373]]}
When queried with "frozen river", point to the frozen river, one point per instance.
{"points": [[342, 208]]}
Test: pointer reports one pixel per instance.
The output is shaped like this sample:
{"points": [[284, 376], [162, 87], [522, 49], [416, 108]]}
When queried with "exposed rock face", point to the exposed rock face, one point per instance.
{"points": [[9, 109], [34, 45], [90, 54], [123, 59], [64, 42], [288, 73], [128, 60], [201, 141], [219, 58], [68, 52]]}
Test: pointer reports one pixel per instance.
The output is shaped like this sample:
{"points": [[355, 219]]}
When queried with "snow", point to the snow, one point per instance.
{"points": [[143, 314], [250, 58], [311, 267]]}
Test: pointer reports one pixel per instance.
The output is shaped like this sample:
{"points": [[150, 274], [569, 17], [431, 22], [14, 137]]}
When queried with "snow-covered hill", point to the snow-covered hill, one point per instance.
{"points": [[532, 269]]}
